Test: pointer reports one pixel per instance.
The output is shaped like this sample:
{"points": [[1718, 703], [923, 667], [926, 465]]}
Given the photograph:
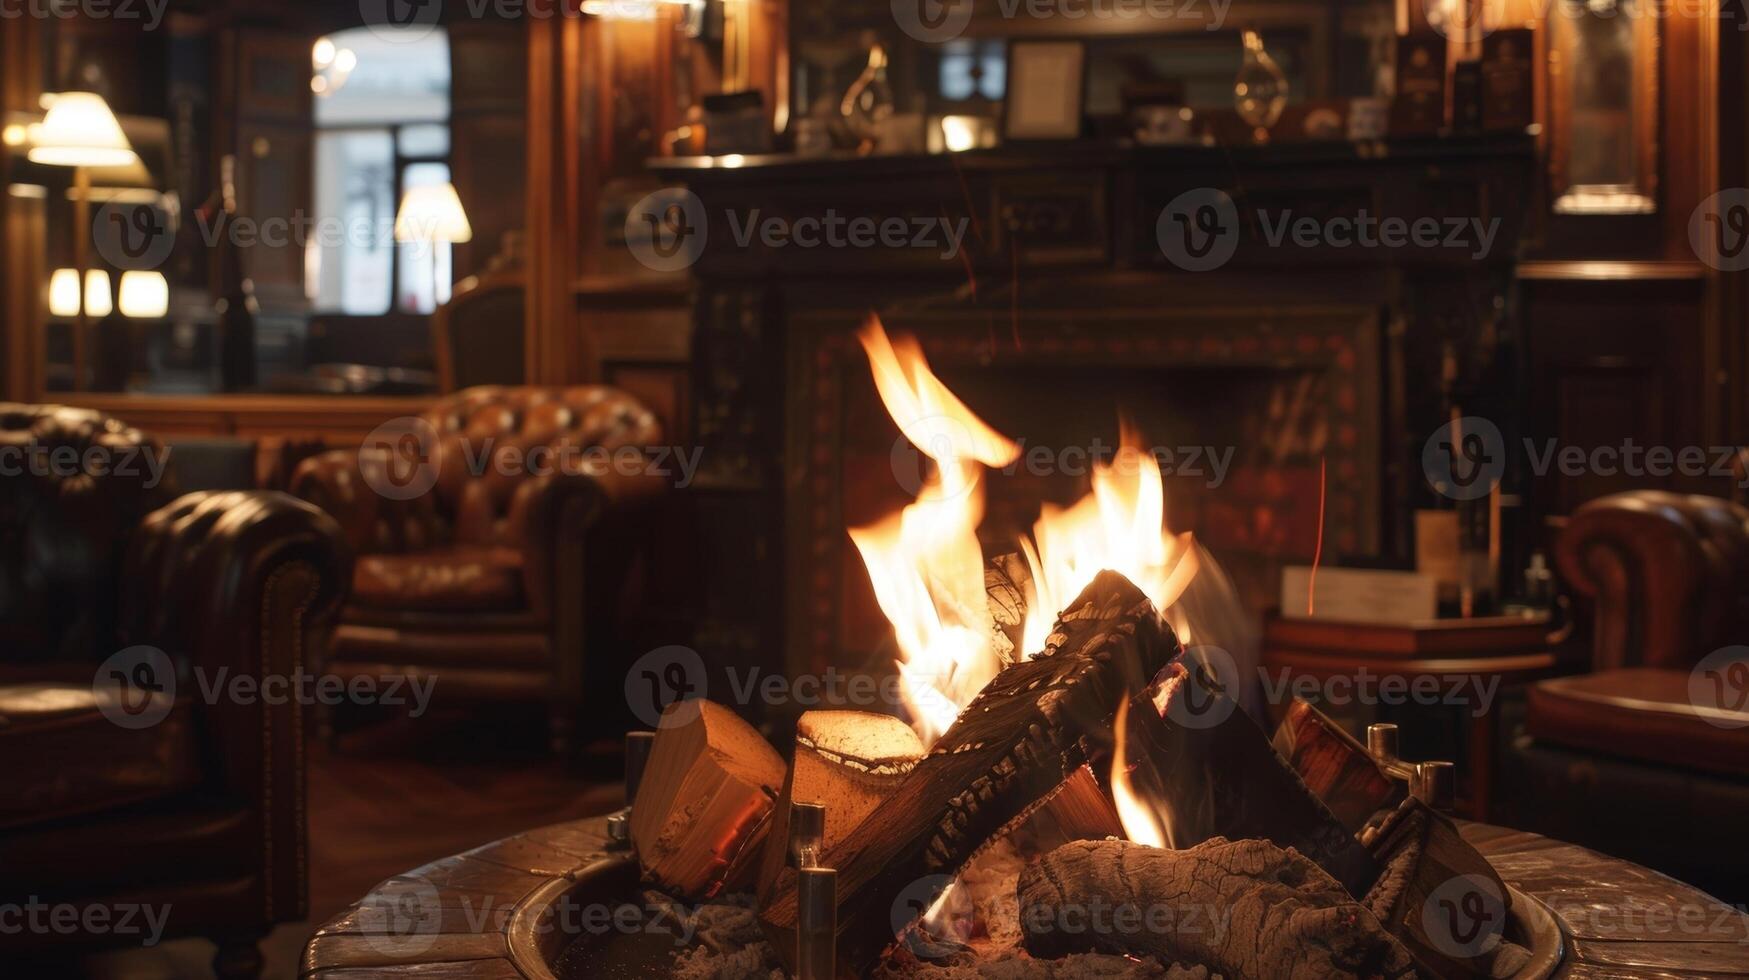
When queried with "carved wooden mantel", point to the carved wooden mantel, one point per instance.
{"points": [[1061, 263]]}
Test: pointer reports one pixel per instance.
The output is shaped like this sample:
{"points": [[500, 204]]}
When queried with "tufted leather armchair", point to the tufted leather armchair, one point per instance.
{"points": [[196, 804], [498, 536], [1639, 763]]}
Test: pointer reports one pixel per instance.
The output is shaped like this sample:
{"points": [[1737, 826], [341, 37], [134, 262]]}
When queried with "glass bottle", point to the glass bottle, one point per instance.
{"points": [[1260, 91], [869, 101]]}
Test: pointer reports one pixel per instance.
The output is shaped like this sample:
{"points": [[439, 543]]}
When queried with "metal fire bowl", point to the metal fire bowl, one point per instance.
{"points": [[543, 952]]}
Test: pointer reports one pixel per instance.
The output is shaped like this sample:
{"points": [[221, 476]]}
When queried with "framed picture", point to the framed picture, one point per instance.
{"points": [[1046, 87]]}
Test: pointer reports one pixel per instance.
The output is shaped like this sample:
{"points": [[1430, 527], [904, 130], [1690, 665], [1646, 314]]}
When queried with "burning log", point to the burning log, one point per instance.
{"points": [[1011, 747], [1438, 894], [1335, 766], [1242, 909], [1219, 776], [704, 802], [849, 760], [1006, 580]]}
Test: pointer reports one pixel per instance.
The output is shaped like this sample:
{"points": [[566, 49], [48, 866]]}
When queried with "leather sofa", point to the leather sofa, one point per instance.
{"points": [[190, 804], [498, 537], [1635, 757]]}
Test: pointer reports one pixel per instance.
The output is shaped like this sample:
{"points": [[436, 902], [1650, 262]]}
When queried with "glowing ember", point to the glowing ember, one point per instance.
{"points": [[928, 568], [1140, 821]]}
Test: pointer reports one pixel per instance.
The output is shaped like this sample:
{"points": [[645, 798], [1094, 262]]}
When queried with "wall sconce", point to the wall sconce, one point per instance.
{"points": [[144, 295]]}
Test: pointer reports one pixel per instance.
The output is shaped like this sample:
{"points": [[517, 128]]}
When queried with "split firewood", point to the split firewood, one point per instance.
{"points": [[1335, 766], [848, 760], [1247, 910], [1219, 777], [1007, 580], [705, 801], [1023, 735], [1078, 810], [1438, 894]]}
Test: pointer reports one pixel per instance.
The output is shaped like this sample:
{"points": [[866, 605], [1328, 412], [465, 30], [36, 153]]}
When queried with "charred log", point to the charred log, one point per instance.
{"points": [[1013, 746]]}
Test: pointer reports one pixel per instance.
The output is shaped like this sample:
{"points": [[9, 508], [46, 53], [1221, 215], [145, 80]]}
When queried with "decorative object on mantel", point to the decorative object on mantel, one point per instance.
{"points": [[869, 101], [1507, 81], [1260, 91], [1419, 106], [734, 122], [1046, 87]]}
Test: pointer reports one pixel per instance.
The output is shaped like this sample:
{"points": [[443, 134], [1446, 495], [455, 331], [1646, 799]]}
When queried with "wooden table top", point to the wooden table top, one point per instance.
{"points": [[1622, 921]]}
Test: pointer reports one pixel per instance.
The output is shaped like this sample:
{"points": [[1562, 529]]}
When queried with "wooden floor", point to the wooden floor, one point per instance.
{"points": [[396, 796]]}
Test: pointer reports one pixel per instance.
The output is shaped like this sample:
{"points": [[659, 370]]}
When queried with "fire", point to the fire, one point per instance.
{"points": [[925, 561], [1119, 526], [928, 568], [1140, 823]]}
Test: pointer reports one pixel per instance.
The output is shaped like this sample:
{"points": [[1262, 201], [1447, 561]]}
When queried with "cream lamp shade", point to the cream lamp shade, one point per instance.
{"points": [[97, 293], [144, 295], [81, 131], [431, 214], [64, 293]]}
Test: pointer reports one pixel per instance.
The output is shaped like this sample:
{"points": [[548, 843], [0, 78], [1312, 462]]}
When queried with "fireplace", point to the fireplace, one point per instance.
{"points": [[1060, 309], [1240, 405]]}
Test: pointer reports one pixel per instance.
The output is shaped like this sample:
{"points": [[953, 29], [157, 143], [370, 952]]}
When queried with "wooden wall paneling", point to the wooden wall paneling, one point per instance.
{"points": [[488, 141], [1612, 358], [275, 145], [23, 227], [559, 170]]}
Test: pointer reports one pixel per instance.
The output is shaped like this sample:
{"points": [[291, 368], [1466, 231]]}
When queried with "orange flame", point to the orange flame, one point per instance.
{"points": [[1119, 526], [928, 568], [1140, 822], [925, 561]]}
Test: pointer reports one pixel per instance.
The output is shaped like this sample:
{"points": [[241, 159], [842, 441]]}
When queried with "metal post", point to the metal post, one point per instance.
{"points": [[807, 834], [1381, 741], [816, 923], [1435, 785]]}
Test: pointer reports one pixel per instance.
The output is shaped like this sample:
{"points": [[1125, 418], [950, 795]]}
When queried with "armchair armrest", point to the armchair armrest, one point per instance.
{"points": [[552, 515], [1667, 575], [246, 583], [334, 482]]}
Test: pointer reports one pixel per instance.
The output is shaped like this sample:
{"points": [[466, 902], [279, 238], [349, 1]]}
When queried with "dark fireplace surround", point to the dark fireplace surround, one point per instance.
{"points": [[1062, 311]]}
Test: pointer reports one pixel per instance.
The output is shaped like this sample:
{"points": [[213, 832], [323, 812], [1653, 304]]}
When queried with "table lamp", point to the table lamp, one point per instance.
{"points": [[80, 131], [433, 214]]}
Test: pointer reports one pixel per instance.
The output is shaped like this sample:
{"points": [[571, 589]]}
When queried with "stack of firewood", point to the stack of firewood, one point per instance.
{"points": [[1272, 833]]}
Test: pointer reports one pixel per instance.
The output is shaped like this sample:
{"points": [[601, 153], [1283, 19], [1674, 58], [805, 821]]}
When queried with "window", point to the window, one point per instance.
{"points": [[382, 128]]}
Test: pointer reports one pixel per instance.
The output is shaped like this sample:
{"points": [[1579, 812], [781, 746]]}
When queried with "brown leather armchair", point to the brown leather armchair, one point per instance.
{"points": [[504, 549], [1622, 757], [195, 806]]}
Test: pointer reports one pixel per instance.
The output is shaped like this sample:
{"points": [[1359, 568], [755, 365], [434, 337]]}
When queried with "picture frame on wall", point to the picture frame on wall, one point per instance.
{"points": [[1047, 83]]}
